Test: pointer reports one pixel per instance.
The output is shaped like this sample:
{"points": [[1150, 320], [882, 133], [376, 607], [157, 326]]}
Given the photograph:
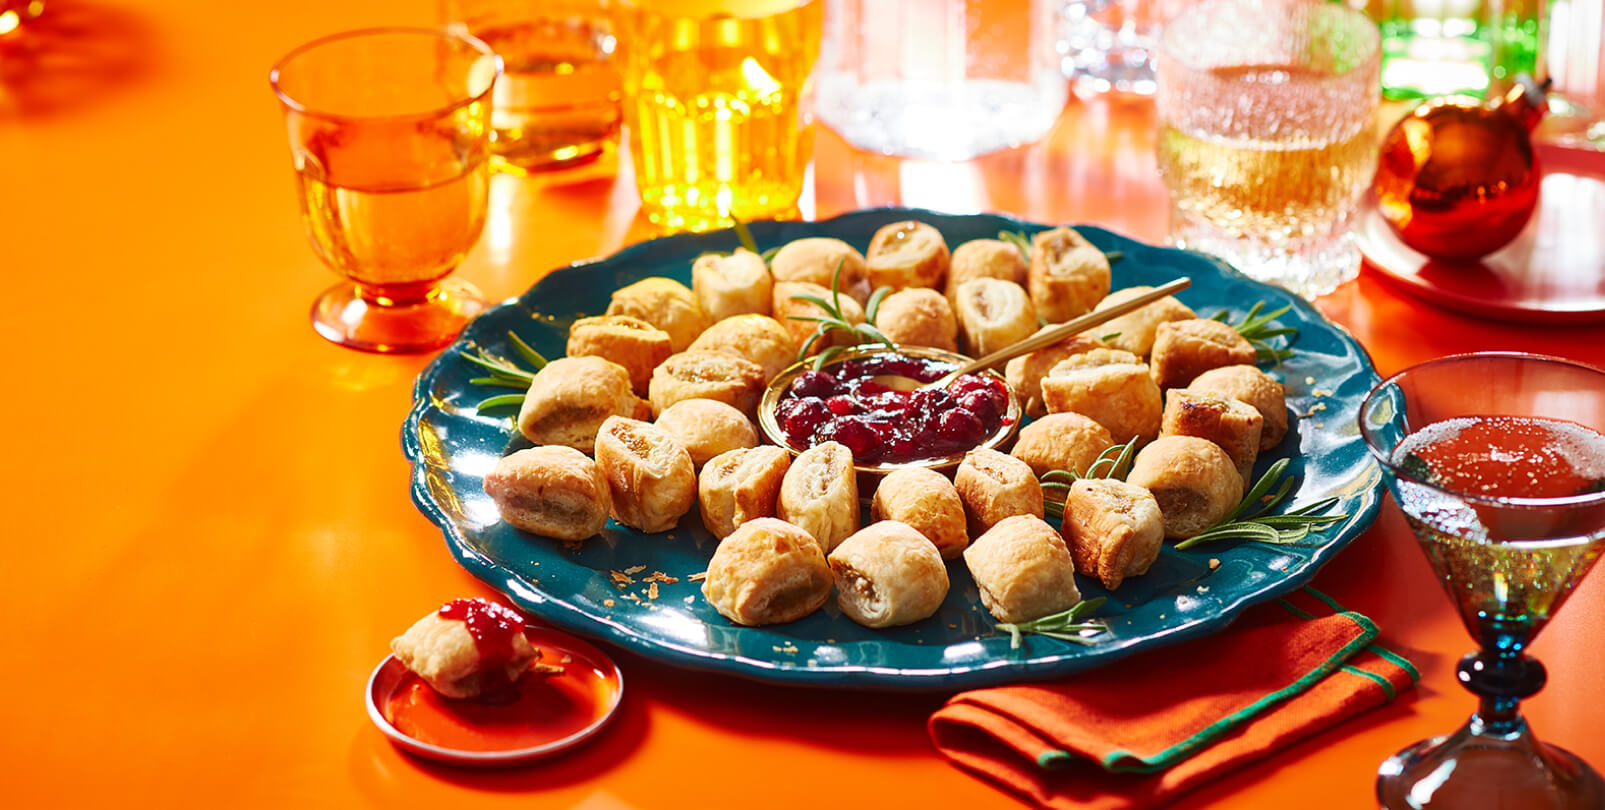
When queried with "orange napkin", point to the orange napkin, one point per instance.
{"points": [[1147, 729]]}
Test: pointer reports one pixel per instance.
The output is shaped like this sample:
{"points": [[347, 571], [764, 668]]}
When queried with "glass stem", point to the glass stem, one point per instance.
{"points": [[1501, 674]]}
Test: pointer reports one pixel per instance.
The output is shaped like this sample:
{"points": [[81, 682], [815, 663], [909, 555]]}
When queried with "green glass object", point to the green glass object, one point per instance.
{"points": [[1475, 48]]}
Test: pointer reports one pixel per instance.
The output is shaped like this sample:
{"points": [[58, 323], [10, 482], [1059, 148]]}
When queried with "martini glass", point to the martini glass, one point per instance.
{"points": [[1498, 462], [389, 133]]}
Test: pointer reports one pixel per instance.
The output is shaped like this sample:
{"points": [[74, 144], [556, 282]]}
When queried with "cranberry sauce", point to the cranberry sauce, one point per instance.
{"points": [[492, 626], [886, 426]]}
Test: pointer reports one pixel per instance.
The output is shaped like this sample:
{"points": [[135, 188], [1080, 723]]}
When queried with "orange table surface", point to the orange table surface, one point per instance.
{"points": [[209, 541]]}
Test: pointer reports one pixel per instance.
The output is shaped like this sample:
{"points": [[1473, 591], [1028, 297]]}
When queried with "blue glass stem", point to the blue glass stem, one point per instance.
{"points": [[1501, 674]]}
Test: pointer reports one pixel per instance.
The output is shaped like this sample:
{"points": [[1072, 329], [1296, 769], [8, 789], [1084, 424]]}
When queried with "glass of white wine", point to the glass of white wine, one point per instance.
{"points": [[1266, 138], [389, 132], [1498, 463]]}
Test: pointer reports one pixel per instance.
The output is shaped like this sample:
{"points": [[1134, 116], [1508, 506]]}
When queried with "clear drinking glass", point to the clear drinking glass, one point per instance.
{"points": [[558, 102], [1109, 46], [1266, 138], [941, 79], [1498, 462], [388, 130]]}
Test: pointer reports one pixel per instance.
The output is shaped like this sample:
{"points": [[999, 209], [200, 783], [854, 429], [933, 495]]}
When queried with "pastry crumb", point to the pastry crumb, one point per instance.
{"points": [[1214, 563], [652, 591], [635, 569], [697, 577], [1309, 380], [789, 648], [608, 603]]}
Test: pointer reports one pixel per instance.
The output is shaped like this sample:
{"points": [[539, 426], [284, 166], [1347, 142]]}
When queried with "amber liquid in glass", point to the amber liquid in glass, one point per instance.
{"points": [[1509, 567], [394, 238], [558, 102], [716, 104]]}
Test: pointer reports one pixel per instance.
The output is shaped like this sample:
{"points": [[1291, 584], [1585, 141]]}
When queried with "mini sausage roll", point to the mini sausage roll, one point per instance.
{"points": [[1112, 387], [786, 306], [1068, 276], [1114, 529], [1250, 385], [758, 338], [1025, 373], [887, 574], [927, 501], [649, 475], [444, 654], [994, 486], [664, 303], [984, 258], [918, 317], [1185, 349], [820, 494], [992, 315], [569, 399], [814, 260], [740, 485], [1234, 426], [1023, 570], [1061, 441], [550, 491], [737, 284], [767, 572], [1193, 480], [631, 342], [707, 375], [907, 254], [1135, 330], [707, 427]]}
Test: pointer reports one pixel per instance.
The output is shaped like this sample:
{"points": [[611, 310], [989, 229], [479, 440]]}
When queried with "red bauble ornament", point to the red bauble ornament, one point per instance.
{"points": [[1457, 179]]}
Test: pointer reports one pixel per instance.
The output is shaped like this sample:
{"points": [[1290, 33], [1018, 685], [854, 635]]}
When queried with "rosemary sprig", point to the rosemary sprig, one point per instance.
{"points": [[1113, 462], [1066, 625], [503, 373], [1250, 521], [1259, 332], [835, 321]]}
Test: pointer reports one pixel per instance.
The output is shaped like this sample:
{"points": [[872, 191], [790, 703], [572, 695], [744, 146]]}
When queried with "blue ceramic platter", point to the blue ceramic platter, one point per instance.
{"points": [[452, 447]]}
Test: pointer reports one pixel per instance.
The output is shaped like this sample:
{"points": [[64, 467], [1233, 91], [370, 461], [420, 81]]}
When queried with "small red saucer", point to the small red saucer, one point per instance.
{"points": [[552, 713], [1554, 271]]}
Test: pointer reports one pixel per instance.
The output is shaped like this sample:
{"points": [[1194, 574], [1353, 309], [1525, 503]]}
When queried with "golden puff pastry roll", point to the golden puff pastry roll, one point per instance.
{"points": [[740, 485], [445, 655], [767, 572], [631, 342], [927, 501], [1193, 480], [984, 258], [907, 254], [1023, 570], [737, 284], [1234, 426], [649, 475], [1185, 349], [1250, 385], [551, 491], [814, 260], [1025, 373], [1135, 330], [570, 398], [707, 427], [1114, 529], [993, 315], [820, 494], [664, 303], [994, 486], [1068, 276], [1112, 387], [707, 375], [887, 574], [786, 305], [756, 338], [1061, 441], [918, 317]]}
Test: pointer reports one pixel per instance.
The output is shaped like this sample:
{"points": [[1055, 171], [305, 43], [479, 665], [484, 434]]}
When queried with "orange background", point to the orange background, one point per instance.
{"points": [[209, 541]]}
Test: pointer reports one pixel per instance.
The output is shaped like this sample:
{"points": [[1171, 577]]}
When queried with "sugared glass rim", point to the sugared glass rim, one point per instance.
{"points": [[475, 43], [777, 388], [1382, 454]]}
